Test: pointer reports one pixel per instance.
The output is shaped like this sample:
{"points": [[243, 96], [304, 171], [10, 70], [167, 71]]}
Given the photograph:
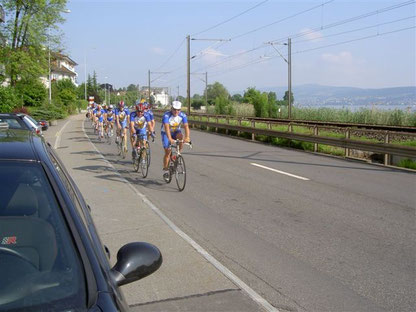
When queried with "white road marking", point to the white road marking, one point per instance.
{"points": [[231, 276], [281, 172], [58, 135]]}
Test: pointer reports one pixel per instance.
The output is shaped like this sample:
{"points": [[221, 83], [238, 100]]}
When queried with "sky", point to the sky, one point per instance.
{"points": [[241, 44]]}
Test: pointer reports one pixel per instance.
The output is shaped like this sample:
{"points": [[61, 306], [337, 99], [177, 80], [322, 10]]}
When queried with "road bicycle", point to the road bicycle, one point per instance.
{"points": [[142, 156], [177, 166], [108, 133], [121, 142]]}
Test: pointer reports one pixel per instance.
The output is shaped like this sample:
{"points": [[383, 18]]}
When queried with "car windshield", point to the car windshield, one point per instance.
{"points": [[39, 264], [12, 122]]}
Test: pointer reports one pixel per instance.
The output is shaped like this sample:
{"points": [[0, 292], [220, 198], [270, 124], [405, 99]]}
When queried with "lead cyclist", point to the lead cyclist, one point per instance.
{"points": [[171, 131]]}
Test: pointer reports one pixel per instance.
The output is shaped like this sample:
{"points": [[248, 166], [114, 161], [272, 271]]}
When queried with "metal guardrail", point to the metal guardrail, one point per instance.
{"points": [[347, 143]]}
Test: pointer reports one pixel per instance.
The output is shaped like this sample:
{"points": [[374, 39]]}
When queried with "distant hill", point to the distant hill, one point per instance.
{"points": [[319, 95]]}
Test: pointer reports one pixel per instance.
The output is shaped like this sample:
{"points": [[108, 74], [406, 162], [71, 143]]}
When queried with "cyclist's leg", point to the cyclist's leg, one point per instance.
{"points": [[166, 147], [179, 136]]}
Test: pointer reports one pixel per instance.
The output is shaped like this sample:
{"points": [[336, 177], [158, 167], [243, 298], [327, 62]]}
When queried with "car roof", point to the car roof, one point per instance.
{"points": [[16, 144]]}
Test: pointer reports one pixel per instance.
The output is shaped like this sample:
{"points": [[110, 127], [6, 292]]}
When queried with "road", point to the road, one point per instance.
{"points": [[307, 232]]}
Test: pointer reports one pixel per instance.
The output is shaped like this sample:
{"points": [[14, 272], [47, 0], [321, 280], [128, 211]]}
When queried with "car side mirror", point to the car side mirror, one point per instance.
{"points": [[135, 261]]}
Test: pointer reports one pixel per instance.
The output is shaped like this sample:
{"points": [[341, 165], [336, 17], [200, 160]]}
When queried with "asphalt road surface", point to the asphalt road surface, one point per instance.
{"points": [[307, 232]]}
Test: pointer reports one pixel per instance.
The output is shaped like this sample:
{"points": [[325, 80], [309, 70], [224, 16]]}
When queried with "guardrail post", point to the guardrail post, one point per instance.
{"points": [[315, 132], [387, 157], [253, 125], [228, 122], [216, 128], [239, 123], [208, 122], [290, 127], [347, 136], [269, 125]]}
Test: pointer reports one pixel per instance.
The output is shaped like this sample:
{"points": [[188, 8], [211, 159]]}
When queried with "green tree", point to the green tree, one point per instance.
{"points": [[237, 98], [27, 32], [272, 104], [8, 99], [286, 97], [250, 94], [132, 87], [216, 90], [31, 91]]}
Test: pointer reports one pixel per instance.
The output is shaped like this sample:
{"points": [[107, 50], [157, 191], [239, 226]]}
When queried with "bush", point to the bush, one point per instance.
{"points": [[8, 99], [22, 110], [33, 92], [48, 113], [407, 163]]}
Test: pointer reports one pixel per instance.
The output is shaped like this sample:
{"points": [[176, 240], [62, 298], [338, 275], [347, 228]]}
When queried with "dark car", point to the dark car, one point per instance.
{"points": [[22, 121], [44, 124], [51, 257]]}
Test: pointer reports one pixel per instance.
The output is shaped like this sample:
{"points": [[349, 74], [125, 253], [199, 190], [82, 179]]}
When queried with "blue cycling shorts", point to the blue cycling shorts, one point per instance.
{"points": [[141, 134], [165, 140]]}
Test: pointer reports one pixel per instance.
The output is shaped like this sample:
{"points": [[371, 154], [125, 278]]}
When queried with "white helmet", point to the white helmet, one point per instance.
{"points": [[111, 106], [176, 105]]}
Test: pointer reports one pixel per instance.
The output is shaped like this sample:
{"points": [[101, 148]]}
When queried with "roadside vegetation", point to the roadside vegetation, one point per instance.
{"points": [[254, 103]]}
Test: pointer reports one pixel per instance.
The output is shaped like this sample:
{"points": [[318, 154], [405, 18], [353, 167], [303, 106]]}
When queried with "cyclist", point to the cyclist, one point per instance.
{"points": [[122, 121], [148, 111], [171, 131], [110, 118], [99, 119], [140, 123]]}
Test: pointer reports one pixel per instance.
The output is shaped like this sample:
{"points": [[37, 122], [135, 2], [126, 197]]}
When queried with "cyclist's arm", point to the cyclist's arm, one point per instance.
{"points": [[187, 132], [132, 129]]}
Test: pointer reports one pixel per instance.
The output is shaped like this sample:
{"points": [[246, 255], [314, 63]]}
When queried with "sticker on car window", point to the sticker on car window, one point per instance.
{"points": [[9, 240]]}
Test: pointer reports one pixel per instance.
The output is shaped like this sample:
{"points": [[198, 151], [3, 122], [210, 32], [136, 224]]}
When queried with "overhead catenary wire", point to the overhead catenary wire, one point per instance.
{"points": [[275, 22], [348, 20], [230, 19], [170, 57], [355, 30], [267, 57], [335, 24], [280, 20]]}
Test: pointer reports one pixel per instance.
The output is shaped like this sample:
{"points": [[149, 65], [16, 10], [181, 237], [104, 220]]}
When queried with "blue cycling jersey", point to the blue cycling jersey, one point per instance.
{"points": [[140, 122], [173, 122]]}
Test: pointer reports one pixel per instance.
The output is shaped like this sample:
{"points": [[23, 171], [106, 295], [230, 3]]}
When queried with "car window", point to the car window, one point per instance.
{"points": [[30, 122], [40, 267], [12, 122], [31, 119]]}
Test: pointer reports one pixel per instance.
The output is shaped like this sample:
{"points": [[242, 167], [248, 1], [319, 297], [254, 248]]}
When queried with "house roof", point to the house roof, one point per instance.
{"points": [[63, 70], [61, 56]]}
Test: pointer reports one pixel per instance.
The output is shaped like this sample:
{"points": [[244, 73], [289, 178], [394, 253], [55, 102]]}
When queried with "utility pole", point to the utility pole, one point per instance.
{"points": [[289, 72], [85, 73], [188, 74], [149, 84], [178, 94], [289, 76], [206, 89]]}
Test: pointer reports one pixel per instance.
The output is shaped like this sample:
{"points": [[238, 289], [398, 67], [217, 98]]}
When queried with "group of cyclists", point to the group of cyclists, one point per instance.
{"points": [[140, 124]]}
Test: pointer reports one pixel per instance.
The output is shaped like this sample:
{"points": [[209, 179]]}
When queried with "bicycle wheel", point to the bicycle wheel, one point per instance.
{"points": [[136, 163], [180, 173], [123, 147], [144, 165], [148, 152]]}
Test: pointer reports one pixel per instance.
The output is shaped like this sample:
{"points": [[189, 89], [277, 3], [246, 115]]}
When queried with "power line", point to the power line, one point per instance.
{"points": [[176, 50], [357, 29], [311, 49], [230, 19], [278, 21], [323, 27], [348, 20], [281, 20]]}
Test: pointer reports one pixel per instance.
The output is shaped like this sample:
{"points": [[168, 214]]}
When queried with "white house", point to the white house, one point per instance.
{"points": [[62, 67], [161, 96]]}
